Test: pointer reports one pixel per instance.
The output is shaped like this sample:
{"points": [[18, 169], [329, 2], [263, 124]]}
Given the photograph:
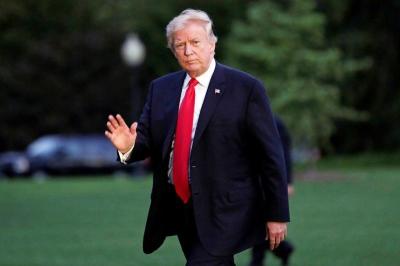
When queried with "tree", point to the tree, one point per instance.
{"points": [[60, 64], [285, 46], [58, 73], [368, 28]]}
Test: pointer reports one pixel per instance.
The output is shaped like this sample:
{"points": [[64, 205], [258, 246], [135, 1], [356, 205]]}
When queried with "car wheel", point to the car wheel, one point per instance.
{"points": [[39, 175]]}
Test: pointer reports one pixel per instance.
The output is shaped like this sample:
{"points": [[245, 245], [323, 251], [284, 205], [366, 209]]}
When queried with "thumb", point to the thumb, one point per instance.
{"points": [[133, 128]]}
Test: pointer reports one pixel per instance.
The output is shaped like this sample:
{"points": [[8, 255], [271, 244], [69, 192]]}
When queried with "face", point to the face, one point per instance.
{"points": [[193, 49]]}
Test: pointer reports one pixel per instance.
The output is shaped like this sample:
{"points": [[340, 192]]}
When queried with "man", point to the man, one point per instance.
{"points": [[219, 176], [285, 248]]}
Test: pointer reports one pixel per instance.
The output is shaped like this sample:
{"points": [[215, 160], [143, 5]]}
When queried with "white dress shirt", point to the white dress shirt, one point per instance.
{"points": [[200, 93]]}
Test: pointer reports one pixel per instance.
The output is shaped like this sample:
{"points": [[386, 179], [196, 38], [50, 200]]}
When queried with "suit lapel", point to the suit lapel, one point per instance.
{"points": [[174, 95], [214, 94]]}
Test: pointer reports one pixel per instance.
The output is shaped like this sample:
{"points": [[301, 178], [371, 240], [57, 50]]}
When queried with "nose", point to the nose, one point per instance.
{"points": [[188, 49]]}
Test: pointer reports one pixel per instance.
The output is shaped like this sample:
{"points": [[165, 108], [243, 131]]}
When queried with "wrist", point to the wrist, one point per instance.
{"points": [[127, 150]]}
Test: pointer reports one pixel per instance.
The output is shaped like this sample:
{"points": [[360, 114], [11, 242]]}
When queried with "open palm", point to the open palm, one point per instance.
{"points": [[121, 136]]}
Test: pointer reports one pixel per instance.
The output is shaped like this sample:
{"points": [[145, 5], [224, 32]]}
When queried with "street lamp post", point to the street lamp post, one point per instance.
{"points": [[133, 53]]}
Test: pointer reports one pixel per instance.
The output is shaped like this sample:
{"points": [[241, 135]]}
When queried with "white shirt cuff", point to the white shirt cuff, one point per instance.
{"points": [[125, 157]]}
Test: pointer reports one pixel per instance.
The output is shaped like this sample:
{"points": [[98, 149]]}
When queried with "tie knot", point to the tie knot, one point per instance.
{"points": [[193, 82]]}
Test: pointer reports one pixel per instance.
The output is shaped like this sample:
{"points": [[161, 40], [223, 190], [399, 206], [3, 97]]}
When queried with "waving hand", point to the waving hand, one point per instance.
{"points": [[121, 136]]}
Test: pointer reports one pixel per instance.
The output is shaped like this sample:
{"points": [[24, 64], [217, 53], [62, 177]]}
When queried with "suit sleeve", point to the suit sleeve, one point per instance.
{"points": [[266, 149]]}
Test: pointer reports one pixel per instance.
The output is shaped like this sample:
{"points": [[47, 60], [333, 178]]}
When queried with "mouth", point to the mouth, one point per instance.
{"points": [[191, 62]]}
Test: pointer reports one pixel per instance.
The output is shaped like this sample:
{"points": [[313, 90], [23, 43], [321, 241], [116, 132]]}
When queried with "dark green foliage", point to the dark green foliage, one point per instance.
{"points": [[369, 28], [60, 64], [61, 69], [286, 47], [58, 73]]}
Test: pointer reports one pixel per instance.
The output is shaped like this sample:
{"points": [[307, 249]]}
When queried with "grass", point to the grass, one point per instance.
{"points": [[100, 221]]}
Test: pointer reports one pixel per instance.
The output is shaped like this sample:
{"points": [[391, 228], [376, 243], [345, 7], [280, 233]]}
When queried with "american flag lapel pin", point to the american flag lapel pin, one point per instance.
{"points": [[217, 91]]}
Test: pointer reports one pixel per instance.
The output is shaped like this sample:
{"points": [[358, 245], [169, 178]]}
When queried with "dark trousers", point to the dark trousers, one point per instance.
{"points": [[194, 251], [259, 251]]}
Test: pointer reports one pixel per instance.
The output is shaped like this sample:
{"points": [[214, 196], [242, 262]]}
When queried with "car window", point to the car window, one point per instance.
{"points": [[101, 148], [43, 146], [72, 147]]}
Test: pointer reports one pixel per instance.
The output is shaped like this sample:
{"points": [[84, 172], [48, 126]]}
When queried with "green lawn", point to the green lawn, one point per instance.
{"points": [[352, 220]]}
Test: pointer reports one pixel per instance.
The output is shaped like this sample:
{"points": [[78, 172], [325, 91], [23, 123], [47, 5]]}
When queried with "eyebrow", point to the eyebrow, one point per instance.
{"points": [[191, 40]]}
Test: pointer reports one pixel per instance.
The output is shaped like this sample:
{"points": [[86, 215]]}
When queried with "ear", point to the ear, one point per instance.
{"points": [[212, 47]]}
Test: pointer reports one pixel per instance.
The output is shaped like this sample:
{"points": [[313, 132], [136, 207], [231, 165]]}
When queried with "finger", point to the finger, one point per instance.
{"points": [[108, 134], [271, 244], [121, 121], [110, 127], [283, 237], [277, 244], [133, 127], [278, 241], [113, 121]]}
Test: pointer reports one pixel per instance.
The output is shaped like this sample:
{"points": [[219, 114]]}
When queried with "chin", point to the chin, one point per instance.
{"points": [[192, 70]]}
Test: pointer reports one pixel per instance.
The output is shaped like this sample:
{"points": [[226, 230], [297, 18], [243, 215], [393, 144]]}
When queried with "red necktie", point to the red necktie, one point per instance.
{"points": [[183, 139]]}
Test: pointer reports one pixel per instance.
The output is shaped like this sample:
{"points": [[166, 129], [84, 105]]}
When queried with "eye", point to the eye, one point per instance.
{"points": [[179, 46], [196, 43]]}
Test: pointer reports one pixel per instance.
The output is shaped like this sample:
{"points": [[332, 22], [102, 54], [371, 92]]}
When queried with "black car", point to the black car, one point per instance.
{"points": [[13, 163], [76, 155]]}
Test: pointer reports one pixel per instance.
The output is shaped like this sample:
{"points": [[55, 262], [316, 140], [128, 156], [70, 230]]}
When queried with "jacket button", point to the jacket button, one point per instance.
{"points": [[193, 166]]}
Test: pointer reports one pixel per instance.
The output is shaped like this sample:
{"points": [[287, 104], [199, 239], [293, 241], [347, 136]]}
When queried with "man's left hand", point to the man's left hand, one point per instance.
{"points": [[276, 233]]}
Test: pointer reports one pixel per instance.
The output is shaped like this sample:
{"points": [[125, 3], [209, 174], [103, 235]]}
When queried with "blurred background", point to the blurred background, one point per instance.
{"points": [[331, 72]]}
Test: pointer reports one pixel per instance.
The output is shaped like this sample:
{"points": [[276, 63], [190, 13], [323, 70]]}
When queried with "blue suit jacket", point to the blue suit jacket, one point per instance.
{"points": [[236, 165]]}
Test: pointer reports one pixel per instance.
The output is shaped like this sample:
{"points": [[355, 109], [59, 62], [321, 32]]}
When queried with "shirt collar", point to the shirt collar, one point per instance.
{"points": [[205, 78]]}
